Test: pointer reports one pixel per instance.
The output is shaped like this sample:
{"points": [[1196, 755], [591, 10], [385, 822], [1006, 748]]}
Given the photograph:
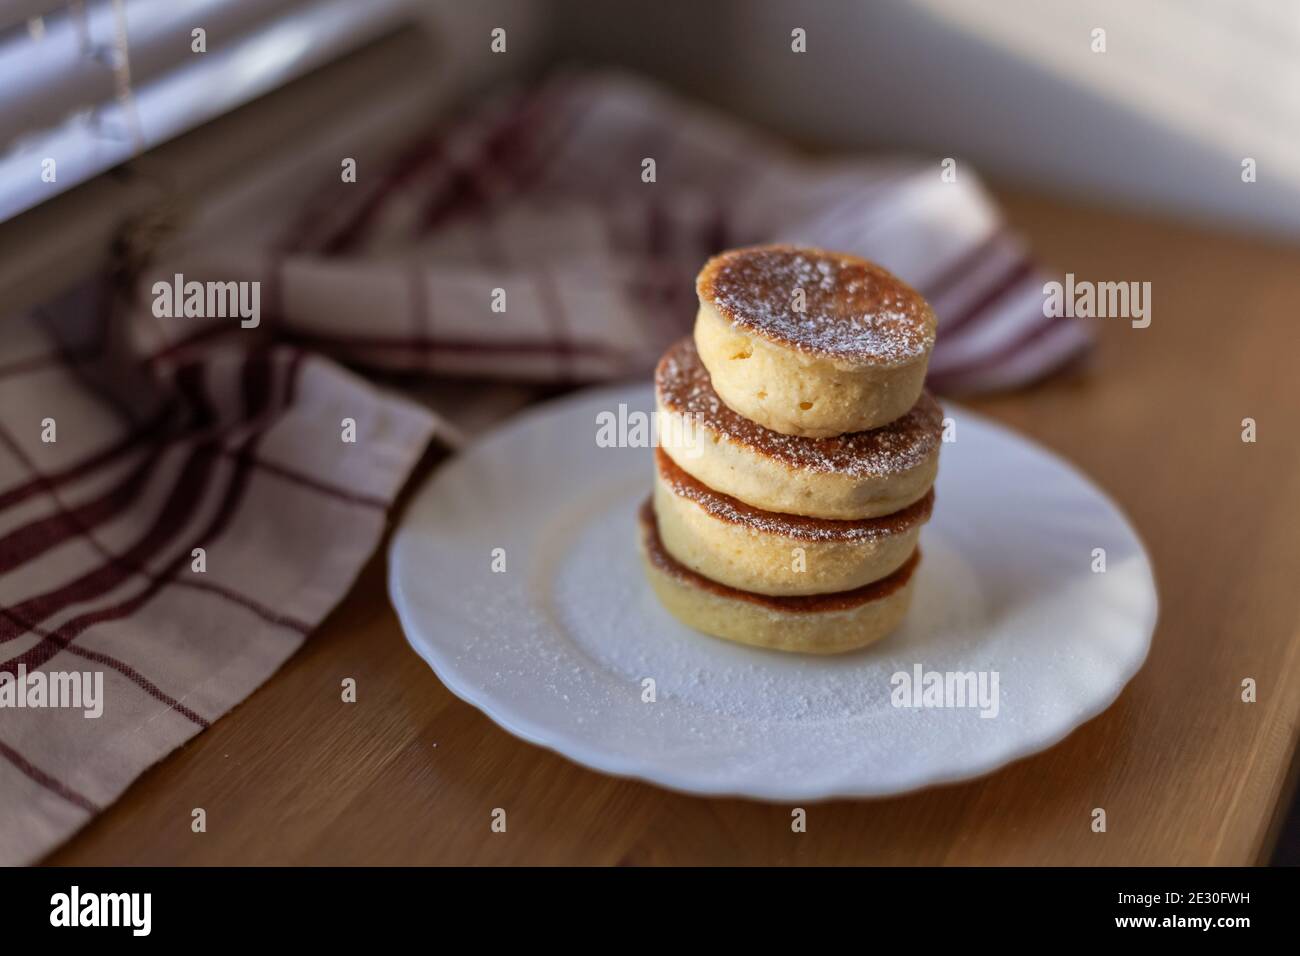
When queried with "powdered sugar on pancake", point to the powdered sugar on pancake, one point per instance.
{"points": [[684, 386], [852, 308], [729, 509]]}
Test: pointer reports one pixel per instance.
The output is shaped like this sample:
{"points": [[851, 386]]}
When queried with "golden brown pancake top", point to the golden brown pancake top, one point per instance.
{"points": [[802, 527], [684, 386], [852, 309]]}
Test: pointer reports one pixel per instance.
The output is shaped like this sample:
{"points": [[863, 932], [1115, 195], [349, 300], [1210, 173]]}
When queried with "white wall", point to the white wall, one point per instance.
{"points": [[1161, 120]]}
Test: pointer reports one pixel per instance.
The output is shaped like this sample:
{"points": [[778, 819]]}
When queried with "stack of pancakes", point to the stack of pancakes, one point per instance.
{"points": [[797, 452]]}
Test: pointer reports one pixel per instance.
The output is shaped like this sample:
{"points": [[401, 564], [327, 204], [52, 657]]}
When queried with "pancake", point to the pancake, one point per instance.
{"points": [[743, 547], [849, 477], [852, 358], [817, 624]]}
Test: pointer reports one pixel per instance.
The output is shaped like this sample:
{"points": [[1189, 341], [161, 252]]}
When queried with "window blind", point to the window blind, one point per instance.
{"points": [[86, 84]]}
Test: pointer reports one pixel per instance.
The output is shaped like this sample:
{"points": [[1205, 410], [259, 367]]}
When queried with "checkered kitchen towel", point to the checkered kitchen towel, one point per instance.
{"points": [[520, 243]]}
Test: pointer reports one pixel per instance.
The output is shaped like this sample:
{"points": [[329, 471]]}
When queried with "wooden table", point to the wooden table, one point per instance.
{"points": [[1186, 771]]}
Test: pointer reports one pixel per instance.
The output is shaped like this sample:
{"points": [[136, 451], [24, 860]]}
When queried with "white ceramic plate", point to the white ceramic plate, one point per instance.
{"points": [[557, 647]]}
